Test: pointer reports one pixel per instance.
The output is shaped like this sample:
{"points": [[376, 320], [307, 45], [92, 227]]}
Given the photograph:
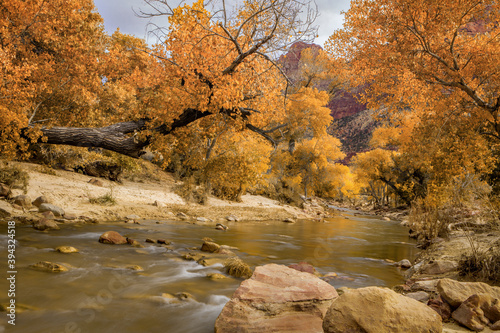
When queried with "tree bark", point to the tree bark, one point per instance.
{"points": [[111, 137]]}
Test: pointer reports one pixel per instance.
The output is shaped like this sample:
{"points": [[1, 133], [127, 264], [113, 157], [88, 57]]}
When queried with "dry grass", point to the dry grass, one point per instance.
{"points": [[237, 268], [14, 177]]}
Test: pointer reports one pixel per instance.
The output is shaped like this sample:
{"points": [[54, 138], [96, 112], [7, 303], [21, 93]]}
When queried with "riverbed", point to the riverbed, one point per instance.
{"points": [[101, 293]]}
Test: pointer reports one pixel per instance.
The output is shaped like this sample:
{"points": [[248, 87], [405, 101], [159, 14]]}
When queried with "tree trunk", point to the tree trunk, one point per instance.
{"points": [[112, 137]]}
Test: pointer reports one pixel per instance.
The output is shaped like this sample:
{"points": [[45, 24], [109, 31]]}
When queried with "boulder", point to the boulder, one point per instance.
{"points": [[405, 263], [374, 310], [45, 207], [23, 201], [440, 267], [496, 326], [112, 237], [47, 266], [478, 311], [45, 224], [210, 247], [455, 293], [277, 299], [66, 249], [40, 200], [441, 307]]}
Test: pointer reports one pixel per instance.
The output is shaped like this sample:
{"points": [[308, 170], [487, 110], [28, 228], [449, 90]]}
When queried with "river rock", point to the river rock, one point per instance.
{"points": [[472, 312], [420, 296], [47, 266], [23, 201], [375, 310], [217, 276], [210, 247], [455, 293], [232, 218], [45, 224], [425, 285], [220, 226], [305, 267], [440, 267], [40, 200], [58, 211], [66, 249], [277, 299], [441, 307], [112, 237], [405, 263]]}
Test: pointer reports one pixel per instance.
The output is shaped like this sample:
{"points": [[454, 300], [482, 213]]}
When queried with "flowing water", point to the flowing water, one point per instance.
{"points": [[99, 294]]}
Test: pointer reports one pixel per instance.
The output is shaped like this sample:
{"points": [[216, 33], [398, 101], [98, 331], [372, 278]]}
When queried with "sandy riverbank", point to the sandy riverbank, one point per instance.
{"points": [[146, 198]]}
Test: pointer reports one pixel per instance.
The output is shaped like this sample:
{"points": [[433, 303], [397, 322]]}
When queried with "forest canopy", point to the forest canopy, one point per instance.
{"points": [[214, 102]]}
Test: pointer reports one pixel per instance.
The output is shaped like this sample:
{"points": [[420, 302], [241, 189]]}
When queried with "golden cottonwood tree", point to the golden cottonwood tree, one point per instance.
{"points": [[434, 68], [50, 58], [207, 63]]}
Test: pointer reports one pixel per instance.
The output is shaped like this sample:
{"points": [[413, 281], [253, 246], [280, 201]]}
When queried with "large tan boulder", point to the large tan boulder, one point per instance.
{"points": [[455, 292], [277, 299], [112, 237], [375, 310]]}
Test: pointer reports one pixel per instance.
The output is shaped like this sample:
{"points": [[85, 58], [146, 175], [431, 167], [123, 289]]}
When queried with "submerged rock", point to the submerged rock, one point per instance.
{"points": [[305, 267], [47, 266], [66, 249], [112, 237], [374, 310], [277, 299], [210, 247]]}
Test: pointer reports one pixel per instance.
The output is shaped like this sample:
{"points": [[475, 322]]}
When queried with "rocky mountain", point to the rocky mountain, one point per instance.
{"points": [[353, 122]]}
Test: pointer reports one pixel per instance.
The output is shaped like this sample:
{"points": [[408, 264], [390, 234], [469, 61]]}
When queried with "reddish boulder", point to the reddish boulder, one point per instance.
{"points": [[112, 237], [45, 224], [277, 299]]}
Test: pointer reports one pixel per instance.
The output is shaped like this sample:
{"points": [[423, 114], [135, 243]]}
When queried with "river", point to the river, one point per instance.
{"points": [[99, 294]]}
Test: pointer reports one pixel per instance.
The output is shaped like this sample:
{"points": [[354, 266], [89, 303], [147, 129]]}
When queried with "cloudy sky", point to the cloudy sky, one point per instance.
{"points": [[120, 14]]}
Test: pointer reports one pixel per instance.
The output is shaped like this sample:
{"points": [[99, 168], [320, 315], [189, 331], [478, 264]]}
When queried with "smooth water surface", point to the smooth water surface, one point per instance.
{"points": [[99, 294]]}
